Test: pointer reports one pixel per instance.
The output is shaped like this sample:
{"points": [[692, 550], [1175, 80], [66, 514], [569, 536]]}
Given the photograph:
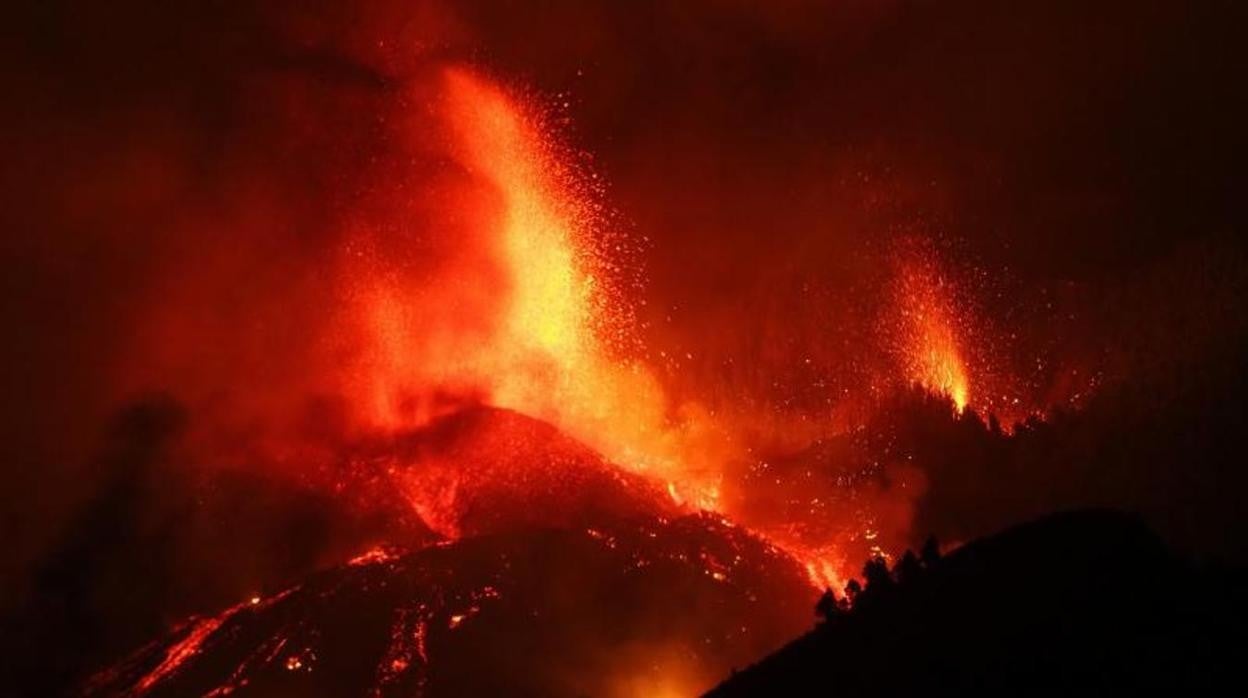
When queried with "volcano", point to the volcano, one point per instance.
{"points": [[586, 348], [547, 551], [483, 470]]}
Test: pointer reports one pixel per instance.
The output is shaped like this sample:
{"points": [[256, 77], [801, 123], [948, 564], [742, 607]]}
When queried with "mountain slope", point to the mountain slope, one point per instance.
{"points": [[1088, 602]]}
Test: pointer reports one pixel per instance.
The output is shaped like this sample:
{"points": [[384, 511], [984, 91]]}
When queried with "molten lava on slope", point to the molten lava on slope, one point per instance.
{"points": [[625, 609]]}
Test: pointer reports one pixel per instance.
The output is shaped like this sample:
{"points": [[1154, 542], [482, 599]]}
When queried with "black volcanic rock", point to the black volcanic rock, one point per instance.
{"points": [[640, 608], [1078, 603]]}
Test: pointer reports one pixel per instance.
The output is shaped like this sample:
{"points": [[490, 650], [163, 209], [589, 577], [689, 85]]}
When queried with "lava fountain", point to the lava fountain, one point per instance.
{"points": [[930, 327], [557, 349]]}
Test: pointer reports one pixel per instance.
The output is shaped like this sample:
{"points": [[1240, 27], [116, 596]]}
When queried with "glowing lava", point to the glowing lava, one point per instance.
{"points": [[931, 350], [547, 334], [529, 318], [552, 293]]}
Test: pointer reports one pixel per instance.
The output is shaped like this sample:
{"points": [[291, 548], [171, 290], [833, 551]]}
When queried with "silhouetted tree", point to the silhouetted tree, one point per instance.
{"points": [[930, 553], [853, 590], [828, 606], [908, 568], [878, 578]]}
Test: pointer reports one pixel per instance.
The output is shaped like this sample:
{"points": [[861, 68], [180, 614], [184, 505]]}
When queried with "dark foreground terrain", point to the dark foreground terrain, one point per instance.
{"points": [[1078, 603]]}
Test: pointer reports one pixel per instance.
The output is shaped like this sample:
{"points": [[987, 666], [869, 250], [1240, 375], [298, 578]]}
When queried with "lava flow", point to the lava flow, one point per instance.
{"points": [[445, 620]]}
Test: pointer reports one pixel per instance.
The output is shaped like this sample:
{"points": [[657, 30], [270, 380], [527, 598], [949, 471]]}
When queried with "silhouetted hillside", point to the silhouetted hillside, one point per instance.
{"points": [[1086, 602]]}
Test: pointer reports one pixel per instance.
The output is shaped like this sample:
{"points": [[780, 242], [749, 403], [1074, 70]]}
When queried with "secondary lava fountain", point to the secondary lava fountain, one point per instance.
{"points": [[930, 332], [529, 314]]}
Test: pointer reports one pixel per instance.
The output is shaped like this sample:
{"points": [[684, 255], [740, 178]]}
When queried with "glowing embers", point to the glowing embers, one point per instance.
{"points": [[175, 655], [475, 599], [405, 662], [373, 556], [930, 325], [302, 660]]}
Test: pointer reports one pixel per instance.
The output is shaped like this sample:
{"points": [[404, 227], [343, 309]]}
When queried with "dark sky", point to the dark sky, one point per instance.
{"points": [[1042, 144]]}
